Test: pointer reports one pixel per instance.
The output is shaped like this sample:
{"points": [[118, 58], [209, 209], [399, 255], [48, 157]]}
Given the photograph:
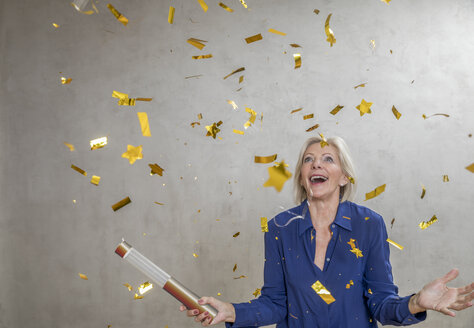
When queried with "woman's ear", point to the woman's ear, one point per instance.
{"points": [[344, 181]]}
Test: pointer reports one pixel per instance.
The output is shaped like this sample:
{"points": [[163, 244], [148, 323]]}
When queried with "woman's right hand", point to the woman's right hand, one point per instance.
{"points": [[225, 312]]}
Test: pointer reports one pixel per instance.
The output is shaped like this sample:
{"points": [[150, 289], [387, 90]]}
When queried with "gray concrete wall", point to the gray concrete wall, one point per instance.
{"points": [[46, 239]]}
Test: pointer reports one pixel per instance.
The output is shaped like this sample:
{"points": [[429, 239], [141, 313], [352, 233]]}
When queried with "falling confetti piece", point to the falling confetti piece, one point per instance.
{"points": [[256, 292], [362, 85], [145, 287], [55, 25], [121, 204], [265, 159], [423, 225], [157, 203], [331, 39], [372, 42], [357, 252], [171, 15], [98, 143], [240, 277], [234, 105], [423, 191], [199, 116], [470, 168], [236, 234], [323, 142], [396, 113], [83, 276], [297, 58], [202, 56], [65, 80], [218, 294], [296, 110], [213, 130], [121, 18], [295, 45], [225, 7], [307, 117], [133, 153], [143, 119], [374, 193], [241, 79], [195, 123], [128, 286], [336, 109], [238, 131], [70, 146], [351, 179], [138, 297], [203, 5], [235, 267], [364, 107], [74, 201], [197, 43], [426, 117], [323, 292], [236, 71], [156, 169], [400, 247], [195, 255], [81, 171], [253, 116], [314, 127], [243, 3], [84, 3], [123, 99], [445, 178], [276, 32], [278, 176], [316, 11], [253, 38], [95, 180], [386, 1], [391, 223], [264, 224]]}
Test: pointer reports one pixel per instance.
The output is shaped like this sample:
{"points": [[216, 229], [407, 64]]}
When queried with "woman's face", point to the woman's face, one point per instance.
{"points": [[321, 172]]}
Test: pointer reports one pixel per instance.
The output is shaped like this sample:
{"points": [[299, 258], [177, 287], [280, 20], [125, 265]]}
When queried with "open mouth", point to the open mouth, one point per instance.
{"points": [[316, 179]]}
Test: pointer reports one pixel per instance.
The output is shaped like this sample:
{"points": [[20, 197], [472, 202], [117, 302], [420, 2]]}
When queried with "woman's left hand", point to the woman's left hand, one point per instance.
{"points": [[439, 297]]}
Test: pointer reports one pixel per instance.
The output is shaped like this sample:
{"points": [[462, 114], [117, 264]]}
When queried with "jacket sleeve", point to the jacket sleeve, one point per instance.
{"points": [[382, 294], [271, 306]]}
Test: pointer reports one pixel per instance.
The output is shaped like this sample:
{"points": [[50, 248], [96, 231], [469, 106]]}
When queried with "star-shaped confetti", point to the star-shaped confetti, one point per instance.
{"points": [[213, 130], [364, 107], [351, 243], [256, 292], [357, 252], [133, 153], [278, 176]]}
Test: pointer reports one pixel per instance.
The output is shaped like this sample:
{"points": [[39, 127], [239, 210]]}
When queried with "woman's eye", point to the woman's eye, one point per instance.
{"points": [[328, 159], [307, 159]]}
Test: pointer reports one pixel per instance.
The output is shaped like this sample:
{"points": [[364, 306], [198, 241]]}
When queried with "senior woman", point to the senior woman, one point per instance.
{"points": [[328, 244]]}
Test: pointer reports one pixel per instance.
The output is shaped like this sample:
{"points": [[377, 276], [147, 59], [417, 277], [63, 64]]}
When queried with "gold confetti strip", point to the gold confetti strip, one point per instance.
{"points": [[316, 11], [238, 131], [314, 127], [133, 153], [240, 277], [143, 99], [203, 5], [265, 159], [81, 171], [256, 292], [235, 267], [253, 38], [323, 292], [121, 18], [445, 178], [426, 117], [123, 99], [307, 117], [70, 146], [236, 71], [241, 79], [98, 143], [243, 3], [236, 234], [121, 203], [213, 130], [95, 180], [423, 191], [195, 123], [157, 203], [278, 176], [199, 116], [65, 80], [323, 141], [202, 56], [336, 109], [225, 7], [195, 255], [362, 85], [331, 39], [391, 223], [143, 118], [55, 25], [264, 224], [197, 43], [297, 58], [400, 247], [364, 107], [295, 45], [137, 297], [89, 12], [253, 116], [296, 110], [83, 276], [276, 32], [171, 15], [351, 283], [156, 169], [374, 193], [234, 105], [386, 1], [145, 287], [372, 42], [396, 113], [128, 286], [351, 179], [423, 225], [470, 168]]}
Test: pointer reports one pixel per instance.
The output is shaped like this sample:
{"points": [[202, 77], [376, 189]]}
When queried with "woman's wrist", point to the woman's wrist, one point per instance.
{"points": [[413, 306]]}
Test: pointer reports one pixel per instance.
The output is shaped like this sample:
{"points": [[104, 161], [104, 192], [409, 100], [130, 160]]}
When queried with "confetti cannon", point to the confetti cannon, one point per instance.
{"points": [[160, 277]]}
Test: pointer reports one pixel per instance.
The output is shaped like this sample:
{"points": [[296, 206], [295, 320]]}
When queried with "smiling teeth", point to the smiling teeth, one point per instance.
{"points": [[316, 177]]}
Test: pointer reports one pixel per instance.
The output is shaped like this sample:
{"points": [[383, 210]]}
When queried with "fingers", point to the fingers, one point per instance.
{"points": [[450, 276], [466, 289]]}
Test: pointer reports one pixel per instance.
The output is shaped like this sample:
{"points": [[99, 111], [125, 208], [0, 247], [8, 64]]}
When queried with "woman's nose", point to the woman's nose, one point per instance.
{"points": [[316, 164]]}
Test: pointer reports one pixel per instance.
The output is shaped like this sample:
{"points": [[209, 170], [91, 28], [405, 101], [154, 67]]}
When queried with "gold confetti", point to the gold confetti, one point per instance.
{"points": [[351, 243], [235, 267], [156, 169], [236, 234], [70, 146], [374, 193], [197, 43], [236, 71], [351, 283], [391, 223], [253, 38], [351, 179], [362, 85], [121, 18], [121, 204], [357, 252], [145, 287], [128, 286], [364, 107], [314, 127], [83, 276], [336, 109], [400, 247], [225, 7], [243, 3], [238, 131], [95, 180], [423, 225], [213, 130], [143, 118], [372, 42], [157, 203], [253, 116], [137, 297], [331, 39], [445, 178], [426, 117], [55, 25], [316, 11], [241, 79], [133, 153], [195, 123], [98, 143], [89, 12], [295, 45], [203, 5], [396, 113], [199, 116], [264, 224], [296, 110], [265, 159], [323, 141], [171, 15], [278, 176], [323, 292], [81, 171], [123, 99], [423, 191], [74, 201], [297, 58], [195, 255], [470, 168], [370, 291], [240, 277], [218, 294], [386, 1], [256, 292], [234, 105], [202, 56], [276, 32], [307, 117], [65, 80]]}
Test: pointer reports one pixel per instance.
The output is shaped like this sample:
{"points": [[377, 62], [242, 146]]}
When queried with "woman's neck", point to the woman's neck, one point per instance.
{"points": [[323, 212]]}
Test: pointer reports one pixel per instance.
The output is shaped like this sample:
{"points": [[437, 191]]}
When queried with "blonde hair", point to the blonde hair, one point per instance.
{"points": [[348, 191]]}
